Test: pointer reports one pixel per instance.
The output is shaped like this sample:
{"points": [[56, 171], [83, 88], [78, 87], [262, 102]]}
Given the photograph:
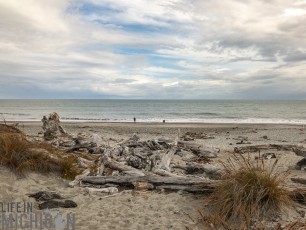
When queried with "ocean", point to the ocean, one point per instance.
{"points": [[203, 111]]}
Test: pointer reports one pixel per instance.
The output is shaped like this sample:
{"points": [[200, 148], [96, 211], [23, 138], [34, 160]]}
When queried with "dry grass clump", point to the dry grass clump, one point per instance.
{"points": [[249, 191], [68, 169], [15, 154], [21, 156]]}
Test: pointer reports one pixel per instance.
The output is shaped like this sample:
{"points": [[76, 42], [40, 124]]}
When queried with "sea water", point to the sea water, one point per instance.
{"points": [[203, 111]]}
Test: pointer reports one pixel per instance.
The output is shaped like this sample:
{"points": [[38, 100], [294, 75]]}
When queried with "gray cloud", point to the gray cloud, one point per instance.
{"points": [[181, 49], [296, 56]]}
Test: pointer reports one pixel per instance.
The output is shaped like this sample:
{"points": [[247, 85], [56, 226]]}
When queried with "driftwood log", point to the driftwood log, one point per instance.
{"points": [[189, 184], [299, 180], [298, 194], [108, 162], [300, 151], [197, 149], [52, 126], [108, 190], [208, 170], [78, 178], [163, 169], [256, 148]]}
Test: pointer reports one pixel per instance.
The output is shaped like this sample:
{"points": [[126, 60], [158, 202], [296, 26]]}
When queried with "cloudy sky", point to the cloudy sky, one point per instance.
{"points": [[212, 49]]}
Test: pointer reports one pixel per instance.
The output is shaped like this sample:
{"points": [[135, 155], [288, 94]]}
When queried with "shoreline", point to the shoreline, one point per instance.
{"points": [[224, 136], [160, 122], [157, 123], [126, 129]]}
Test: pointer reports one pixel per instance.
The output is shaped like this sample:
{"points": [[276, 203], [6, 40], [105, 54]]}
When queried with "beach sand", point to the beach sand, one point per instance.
{"points": [[149, 210]]}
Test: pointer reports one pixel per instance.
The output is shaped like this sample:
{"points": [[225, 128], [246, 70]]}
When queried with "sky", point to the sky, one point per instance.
{"points": [[153, 49]]}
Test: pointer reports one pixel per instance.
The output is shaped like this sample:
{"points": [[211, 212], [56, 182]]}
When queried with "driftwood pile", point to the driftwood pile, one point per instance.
{"points": [[150, 164], [154, 164], [56, 135]]}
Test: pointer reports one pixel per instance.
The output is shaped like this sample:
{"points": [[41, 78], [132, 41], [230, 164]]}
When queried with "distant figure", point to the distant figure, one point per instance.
{"points": [[164, 121], [134, 119]]}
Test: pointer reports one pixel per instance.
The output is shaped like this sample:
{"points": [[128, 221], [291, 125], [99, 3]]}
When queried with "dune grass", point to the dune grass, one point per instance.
{"points": [[249, 191], [21, 156], [68, 169]]}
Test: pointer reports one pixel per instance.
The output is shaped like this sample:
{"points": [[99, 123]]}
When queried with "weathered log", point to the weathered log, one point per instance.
{"points": [[78, 147], [298, 195], [166, 143], [153, 145], [140, 159], [108, 162], [101, 169], [166, 160], [256, 148], [190, 184], [109, 190], [198, 149], [210, 170], [52, 127], [97, 140], [300, 164], [282, 147], [194, 184], [191, 189], [163, 168], [299, 180], [300, 151], [162, 172], [78, 178], [250, 149], [84, 162], [188, 145]]}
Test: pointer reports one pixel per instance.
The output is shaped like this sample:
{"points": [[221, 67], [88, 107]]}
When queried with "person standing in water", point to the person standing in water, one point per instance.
{"points": [[134, 119]]}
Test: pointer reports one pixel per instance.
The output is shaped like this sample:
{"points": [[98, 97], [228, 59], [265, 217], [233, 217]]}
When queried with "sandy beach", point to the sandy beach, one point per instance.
{"points": [[276, 133], [157, 209], [153, 115]]}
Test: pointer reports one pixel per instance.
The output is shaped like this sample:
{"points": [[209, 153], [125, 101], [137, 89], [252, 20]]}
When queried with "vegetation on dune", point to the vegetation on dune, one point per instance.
{"points": [[68, 169], [21, 156], [249, 191]]}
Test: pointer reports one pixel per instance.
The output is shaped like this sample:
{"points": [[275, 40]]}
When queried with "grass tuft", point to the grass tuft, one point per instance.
{"points": [[249, 190], [68, 170], [21, 156]]}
